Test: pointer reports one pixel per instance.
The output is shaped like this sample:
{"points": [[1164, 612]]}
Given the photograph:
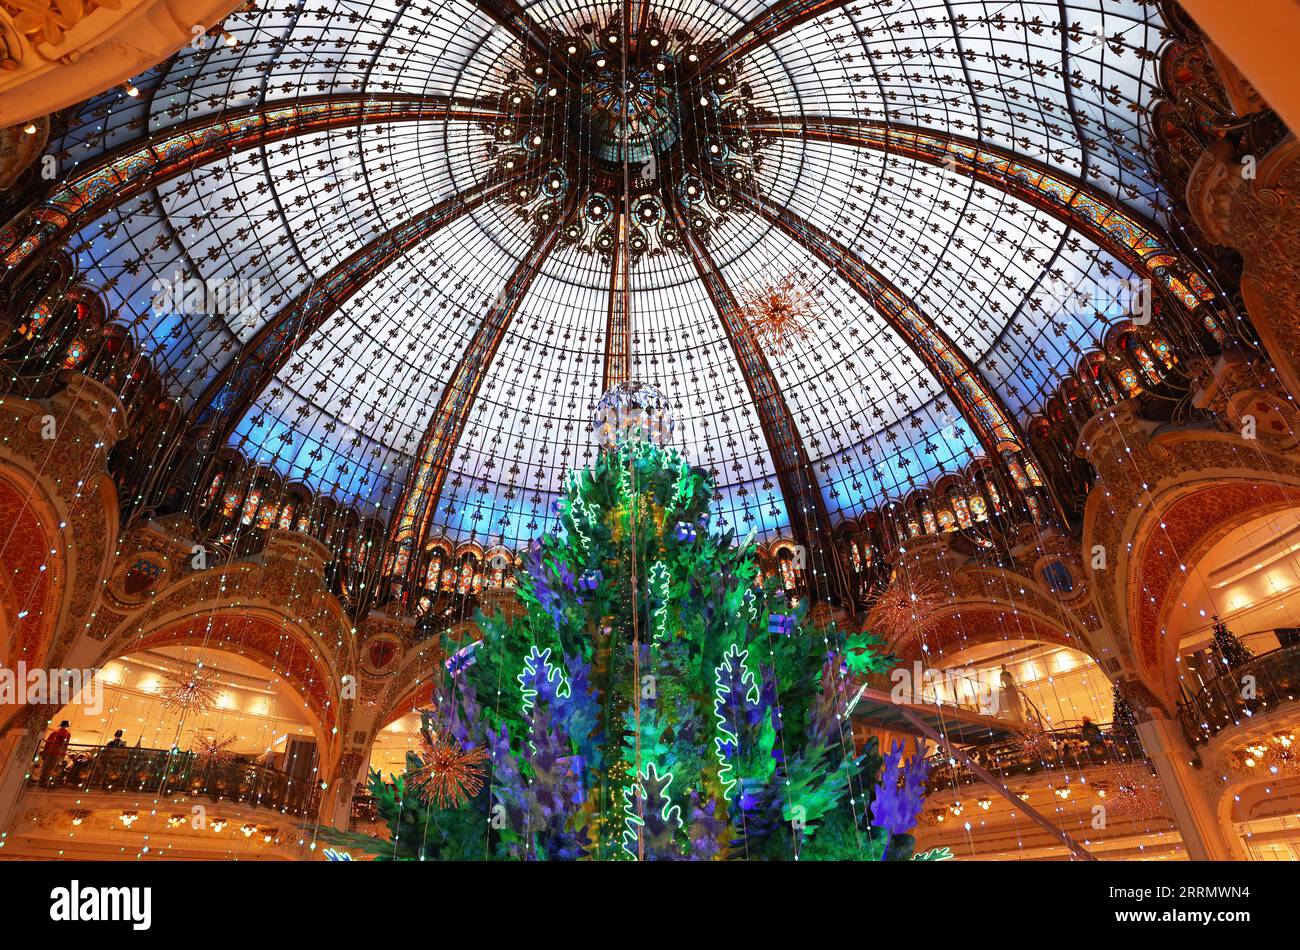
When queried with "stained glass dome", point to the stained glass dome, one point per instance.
{"points": [[466, 220]]}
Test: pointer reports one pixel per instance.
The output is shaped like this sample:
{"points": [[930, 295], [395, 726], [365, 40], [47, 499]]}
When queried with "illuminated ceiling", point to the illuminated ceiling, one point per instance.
{"points": [[349, 409]]}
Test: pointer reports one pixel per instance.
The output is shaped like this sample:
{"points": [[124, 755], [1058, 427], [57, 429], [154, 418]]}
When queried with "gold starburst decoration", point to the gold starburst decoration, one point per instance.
{"points": [[1032, 740], [211, 750], [902, 611], [780, 314], [448, 774], [192, 691], [1135, 792]]}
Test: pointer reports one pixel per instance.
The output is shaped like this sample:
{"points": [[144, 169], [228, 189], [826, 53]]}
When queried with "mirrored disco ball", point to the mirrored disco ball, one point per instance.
{"points": [[632, 411]]}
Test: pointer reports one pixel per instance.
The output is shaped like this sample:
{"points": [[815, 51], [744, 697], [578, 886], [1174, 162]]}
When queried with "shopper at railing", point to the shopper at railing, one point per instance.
{"points": [[1090, 732], [52, 752]]}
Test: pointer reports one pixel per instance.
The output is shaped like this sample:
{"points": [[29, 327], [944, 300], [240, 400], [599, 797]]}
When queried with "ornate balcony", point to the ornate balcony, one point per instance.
{"points": [[168, 772], [1034, 752], [1262, 683]]}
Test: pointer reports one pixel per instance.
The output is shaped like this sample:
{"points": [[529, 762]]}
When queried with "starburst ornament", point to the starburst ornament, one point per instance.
{"points": [[211, 750], [1032, 740], [448, 775], [904, 610], [780, 313], [192, 691], [1136, 793]]}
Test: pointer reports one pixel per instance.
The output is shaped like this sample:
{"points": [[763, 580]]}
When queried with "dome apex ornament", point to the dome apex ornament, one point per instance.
{"points": [[633, 411], [627, 136]]}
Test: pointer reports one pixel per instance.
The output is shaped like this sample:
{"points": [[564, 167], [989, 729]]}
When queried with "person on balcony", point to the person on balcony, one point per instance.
{"points": [[52, 752], [1091, 734], [112, 762]]}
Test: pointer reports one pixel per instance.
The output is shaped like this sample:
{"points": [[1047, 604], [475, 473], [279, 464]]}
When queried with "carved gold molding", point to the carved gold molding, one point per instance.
{"points": [[47, 21]]}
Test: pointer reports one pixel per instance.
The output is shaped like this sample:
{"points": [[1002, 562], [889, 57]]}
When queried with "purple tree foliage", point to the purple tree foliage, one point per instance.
{"points": [[901, 790]]}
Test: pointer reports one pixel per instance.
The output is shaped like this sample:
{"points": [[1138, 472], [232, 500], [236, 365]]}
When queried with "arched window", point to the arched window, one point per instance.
{"points": [[213, 489], [401, 559], [961, 509], [927, 518], [251, 501], [1128, 379]]}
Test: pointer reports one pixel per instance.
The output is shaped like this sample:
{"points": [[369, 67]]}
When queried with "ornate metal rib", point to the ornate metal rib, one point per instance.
{"points": [[224, 401], [1139, 243], [809, 519], [419, 499], [976, 401], [511, 16], [618, 329], [242, 379], [767, 26]]}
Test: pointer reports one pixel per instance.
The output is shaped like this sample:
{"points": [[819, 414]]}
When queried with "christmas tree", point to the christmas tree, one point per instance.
{"points": [[1232, 652], [651, 699], [1123, 722]]}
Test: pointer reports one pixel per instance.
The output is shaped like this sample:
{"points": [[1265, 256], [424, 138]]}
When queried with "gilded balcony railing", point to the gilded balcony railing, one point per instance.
{"points": [[1237, 694], [1033, 751], [170, 772]]}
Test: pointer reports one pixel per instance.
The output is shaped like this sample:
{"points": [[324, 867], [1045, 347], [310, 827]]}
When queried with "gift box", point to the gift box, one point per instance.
{"points": [[685, 531], [780, 623], [590, 580]]}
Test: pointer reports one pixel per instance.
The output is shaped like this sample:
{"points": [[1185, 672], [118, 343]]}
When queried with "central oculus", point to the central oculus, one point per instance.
{"points": [[651, 126], [593, 131]]}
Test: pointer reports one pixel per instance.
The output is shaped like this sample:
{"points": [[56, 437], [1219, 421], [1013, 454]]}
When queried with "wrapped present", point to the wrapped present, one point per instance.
{"points": [[685, 531], [780, 623], [462, 659], [590, 580]]}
